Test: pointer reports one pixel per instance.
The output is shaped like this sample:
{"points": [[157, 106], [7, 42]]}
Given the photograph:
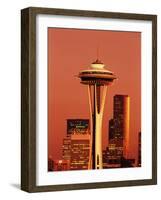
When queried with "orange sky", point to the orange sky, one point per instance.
{"points": [[72, 50]]}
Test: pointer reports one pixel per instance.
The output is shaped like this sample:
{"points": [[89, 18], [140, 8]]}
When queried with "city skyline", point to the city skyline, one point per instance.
{"points": [[68, 100], [76, 144]]}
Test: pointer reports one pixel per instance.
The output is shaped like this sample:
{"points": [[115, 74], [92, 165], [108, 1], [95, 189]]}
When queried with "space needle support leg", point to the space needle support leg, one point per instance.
{"points": [[99, 108], [91, 126]]}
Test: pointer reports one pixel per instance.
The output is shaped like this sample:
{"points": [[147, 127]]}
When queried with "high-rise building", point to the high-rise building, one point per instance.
{"points": [[139, 149], [66, 154], [61, 165], [113, 154], [127, 162], [121, 121], [97, 78], [77, 126], [80, 149], [76, 145], [50, 164], [105, 157], [74, 127], [111, 129]]}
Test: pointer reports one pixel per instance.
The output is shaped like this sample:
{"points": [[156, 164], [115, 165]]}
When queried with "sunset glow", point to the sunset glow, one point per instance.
{"points": [[71, 51]]}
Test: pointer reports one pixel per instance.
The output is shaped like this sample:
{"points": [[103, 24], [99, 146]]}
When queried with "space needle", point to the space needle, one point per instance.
{"points": [[97, 78]]}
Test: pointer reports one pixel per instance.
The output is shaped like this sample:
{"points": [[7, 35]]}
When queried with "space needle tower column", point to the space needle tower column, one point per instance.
{"points": [[97, 78]]}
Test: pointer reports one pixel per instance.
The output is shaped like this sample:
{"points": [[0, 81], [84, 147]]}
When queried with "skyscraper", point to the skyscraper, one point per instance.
{"points": [[115, 152], [76, 144], [119, 127], [97, 78], [80, 149], [77, 126], [66, 154], [111, 129], [50, 164], [61, 165], [105, 158]]}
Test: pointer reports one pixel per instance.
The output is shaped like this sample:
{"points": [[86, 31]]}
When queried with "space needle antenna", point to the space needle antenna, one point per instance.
{"points": [[98, 51]]}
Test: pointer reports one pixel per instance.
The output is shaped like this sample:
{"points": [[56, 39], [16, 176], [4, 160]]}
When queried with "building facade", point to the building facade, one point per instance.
{"points": [[119, 125], [50, 164], [61, 165], [113, 154], [76, 144], [66, 151], [77, 126], [80, 150]]}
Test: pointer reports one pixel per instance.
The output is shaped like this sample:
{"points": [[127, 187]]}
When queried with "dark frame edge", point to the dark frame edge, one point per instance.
{"points": [[28, 99], [154, 99], [86, 186], [24, 99], [90, 13]]}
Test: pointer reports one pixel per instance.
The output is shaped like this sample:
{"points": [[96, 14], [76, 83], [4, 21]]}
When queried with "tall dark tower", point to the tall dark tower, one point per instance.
{"points": [[122, 120], [111, 129], [97, 78]]}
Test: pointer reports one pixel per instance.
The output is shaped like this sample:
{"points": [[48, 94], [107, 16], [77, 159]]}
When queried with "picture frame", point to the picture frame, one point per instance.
{"points": [[29, 96]]}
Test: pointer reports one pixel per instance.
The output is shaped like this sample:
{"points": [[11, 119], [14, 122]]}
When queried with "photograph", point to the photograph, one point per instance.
{"points": [[89, 100], [94, 99]]}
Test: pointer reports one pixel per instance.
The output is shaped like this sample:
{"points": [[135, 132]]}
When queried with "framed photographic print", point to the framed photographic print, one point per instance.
{"points": [[88, 99]]}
